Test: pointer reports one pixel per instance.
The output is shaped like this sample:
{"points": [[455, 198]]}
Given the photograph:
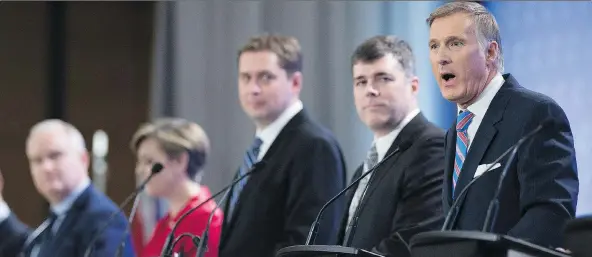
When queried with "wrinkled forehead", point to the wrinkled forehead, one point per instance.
{"points": [[455, 25]]}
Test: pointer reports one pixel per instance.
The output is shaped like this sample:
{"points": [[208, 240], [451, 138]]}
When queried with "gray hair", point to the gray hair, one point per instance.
{"points": [[73, 133], [377, 47], [486, 27]]}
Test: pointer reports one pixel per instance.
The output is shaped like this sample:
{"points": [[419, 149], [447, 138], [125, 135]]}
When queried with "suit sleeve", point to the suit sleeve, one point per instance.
{"points": [[108, 241], [317, 173], [548, 179], [420, 207], [13, 234]]}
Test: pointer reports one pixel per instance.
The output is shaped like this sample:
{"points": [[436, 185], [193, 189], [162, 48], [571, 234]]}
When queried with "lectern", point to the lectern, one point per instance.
{"points": [[324, 251], [578, 236], [475, 244]]}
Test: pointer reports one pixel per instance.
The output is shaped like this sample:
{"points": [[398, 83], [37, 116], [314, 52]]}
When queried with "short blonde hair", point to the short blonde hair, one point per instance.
{"points": [[175, 137]]}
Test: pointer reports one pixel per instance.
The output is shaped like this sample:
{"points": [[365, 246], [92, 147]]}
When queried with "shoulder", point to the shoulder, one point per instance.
{"points": [[99, 208], [526, 100]]}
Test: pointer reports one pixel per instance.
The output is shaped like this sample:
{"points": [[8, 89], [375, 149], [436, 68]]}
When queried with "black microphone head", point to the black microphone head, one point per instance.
{"points": [[156, 168]]}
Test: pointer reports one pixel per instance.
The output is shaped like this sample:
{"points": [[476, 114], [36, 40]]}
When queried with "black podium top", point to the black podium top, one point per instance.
{"points": [[324, 251]]}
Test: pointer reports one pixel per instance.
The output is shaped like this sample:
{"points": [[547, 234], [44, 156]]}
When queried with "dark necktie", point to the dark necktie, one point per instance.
{"points": [[250, 158]]}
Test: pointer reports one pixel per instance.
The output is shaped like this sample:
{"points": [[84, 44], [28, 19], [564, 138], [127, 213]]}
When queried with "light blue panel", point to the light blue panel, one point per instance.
{"points": [[407, 20], [547, 48]]}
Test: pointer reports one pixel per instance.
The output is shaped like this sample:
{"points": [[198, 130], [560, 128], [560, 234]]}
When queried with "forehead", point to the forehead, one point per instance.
{"points": [[386, 64], [48, 140], [257, 61], [457, 24], [150, 147]]}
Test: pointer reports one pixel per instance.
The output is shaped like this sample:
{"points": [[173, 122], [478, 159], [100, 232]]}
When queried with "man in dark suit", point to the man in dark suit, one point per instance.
{"points": [[403, 195], [541, 188], [304, 166], [59, 166]]}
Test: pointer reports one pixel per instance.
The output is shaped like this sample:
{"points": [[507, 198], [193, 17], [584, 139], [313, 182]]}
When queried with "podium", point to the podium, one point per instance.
{"points": [[475, 244], [578, 236], [324, 251]]}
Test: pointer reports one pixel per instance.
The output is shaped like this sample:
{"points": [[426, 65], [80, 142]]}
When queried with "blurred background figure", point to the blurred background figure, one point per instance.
{"points": [[59, 162], [182, 147], [303, 165]]}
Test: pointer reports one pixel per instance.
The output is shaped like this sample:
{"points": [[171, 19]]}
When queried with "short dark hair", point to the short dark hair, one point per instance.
{"points": [[378, 46], [286, 48]]}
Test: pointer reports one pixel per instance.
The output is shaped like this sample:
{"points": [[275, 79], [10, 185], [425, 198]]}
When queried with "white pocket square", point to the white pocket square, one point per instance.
{"points": [[483, 167]]}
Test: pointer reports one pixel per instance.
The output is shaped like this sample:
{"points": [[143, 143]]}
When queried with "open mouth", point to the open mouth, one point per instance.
{"points": [[447, 76]]}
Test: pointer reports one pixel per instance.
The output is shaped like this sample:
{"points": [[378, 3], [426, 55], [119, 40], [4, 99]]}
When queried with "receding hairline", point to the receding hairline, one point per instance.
{"points": [[52, 125]]}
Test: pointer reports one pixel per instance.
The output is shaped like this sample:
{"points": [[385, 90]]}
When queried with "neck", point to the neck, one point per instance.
{"points": [[490, 77], [181, 195]]}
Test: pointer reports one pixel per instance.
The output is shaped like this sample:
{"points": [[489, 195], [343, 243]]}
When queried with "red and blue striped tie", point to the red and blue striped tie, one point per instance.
{"points": [[462, 144]]}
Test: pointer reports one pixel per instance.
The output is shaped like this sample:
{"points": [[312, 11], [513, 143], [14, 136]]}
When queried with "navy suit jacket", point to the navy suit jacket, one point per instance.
{"points": [[87, 215], [304, 168], [540, 190]]}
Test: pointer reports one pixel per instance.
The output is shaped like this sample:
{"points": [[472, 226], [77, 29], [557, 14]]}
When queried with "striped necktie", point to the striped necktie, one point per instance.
{"points": [[371, 161], [462, 144], [249, 159]]}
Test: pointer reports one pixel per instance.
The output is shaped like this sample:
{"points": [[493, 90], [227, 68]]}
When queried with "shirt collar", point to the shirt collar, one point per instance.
{"points": [[384, 143], [269, 133], [479, 107], [65, 205]]}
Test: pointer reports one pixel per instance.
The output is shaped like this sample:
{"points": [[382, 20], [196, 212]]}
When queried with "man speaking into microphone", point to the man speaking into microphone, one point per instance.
{"points": [[539, 193], [402, 196]]}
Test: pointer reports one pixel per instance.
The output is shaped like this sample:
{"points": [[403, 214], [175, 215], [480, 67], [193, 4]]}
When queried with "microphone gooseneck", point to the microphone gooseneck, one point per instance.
{"points": [[168, 247], [493, 208], [314, 229], [203, 244], [156, 168]]}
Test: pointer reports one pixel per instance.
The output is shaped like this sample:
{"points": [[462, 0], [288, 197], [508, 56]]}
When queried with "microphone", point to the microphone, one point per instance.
{"points": [[314, 229], [452, 214], [168, 247], [156, 168], [493, 209], [119, 251], [203, 244], [354, 221]]}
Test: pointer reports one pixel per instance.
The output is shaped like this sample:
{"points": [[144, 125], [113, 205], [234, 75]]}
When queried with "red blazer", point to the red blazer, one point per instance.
{"points": [[194, 224]]}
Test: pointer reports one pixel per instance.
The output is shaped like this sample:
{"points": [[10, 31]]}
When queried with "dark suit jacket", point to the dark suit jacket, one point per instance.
{"points": [[541, 188], [404, 193], [87, 214], [304, 168]]}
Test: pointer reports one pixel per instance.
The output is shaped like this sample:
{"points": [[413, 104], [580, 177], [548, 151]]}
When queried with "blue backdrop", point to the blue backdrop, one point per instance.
{"points": [[546, 47]]}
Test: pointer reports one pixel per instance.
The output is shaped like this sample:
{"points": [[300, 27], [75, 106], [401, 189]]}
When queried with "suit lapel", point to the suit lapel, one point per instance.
{"points": [[485, 134], [277, 148], [449, 164], [408, 133]]}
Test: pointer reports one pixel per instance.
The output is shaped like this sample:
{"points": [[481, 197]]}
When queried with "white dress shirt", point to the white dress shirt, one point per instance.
{"points": [[479, 107], [59, 209], [269, 133]]}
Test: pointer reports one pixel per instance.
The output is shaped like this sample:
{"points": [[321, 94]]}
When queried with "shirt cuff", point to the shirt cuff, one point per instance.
{"points": [[4, 211]]}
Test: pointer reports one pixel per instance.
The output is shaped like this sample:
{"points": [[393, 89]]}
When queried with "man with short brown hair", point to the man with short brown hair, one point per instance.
{"points": [[303, 163]]}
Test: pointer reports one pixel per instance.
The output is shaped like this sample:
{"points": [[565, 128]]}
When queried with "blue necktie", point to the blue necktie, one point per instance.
{"points": [[249, 159], [463, 120]]}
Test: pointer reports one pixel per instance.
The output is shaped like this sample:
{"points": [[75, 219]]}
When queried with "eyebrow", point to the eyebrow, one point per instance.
{"points": [[377, 74], [447, 39]]}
